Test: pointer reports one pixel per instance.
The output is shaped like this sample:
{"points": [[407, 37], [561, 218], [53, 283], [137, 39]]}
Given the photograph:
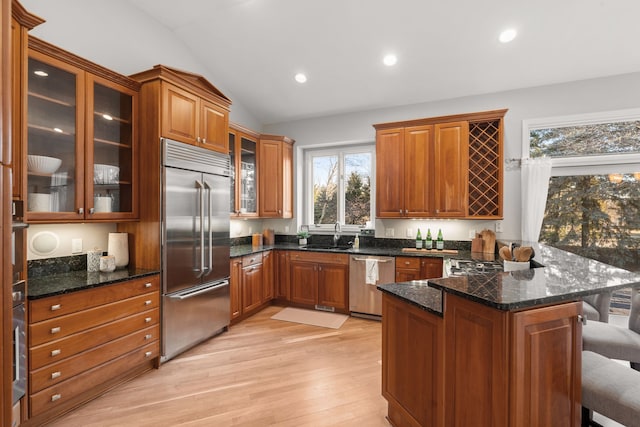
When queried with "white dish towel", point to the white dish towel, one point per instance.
{"points": [[371, 267]]}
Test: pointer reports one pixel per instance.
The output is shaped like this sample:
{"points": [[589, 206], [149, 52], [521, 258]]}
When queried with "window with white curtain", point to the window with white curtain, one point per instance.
{"points": [[338, 187], [593, 200]]}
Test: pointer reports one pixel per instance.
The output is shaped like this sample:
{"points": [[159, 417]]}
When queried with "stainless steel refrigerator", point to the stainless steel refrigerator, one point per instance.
{"points": [[195, 247]]}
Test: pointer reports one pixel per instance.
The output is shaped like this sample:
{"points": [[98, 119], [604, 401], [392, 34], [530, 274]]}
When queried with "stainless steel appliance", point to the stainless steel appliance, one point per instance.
{"points": [[19, 342], [464, 267], [18, 296], [195, 247], [365, 273]]}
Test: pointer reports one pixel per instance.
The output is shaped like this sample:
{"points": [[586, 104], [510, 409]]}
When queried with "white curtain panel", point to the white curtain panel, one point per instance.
{"points": [[534, 185]]}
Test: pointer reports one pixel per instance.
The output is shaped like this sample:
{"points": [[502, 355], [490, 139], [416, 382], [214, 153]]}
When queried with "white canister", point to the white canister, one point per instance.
{"points": [[39, 202], [102, 204], [118, 246], [107, 263], [93, 260]]}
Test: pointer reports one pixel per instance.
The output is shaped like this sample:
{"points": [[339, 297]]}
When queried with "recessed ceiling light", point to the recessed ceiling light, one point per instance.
{"points": [[390, 60], [300, 78], [508, 35], [40, 73]]}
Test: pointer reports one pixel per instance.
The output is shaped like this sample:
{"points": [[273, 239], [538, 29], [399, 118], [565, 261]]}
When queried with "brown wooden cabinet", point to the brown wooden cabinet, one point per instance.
{"points": [[418, 268], [413, 364], [251, 282], [235, 282], [192, 119], [243, 152], [82, 343], [441, 167], [268, 276], [275, 167], [502, 368], [319, 279], [281, 276], [84, 117]]}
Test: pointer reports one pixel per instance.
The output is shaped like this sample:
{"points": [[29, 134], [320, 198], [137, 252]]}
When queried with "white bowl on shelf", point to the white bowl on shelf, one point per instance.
{"points": [[105, 174], [42, 164]]}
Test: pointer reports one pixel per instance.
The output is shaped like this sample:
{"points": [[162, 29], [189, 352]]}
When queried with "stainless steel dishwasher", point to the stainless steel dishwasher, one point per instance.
{"points": [[365, 273]]}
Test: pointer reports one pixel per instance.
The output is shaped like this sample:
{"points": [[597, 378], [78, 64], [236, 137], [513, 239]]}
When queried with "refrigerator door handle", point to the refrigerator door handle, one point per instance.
{"points": [[200, 291], [200, 188], [210, 233]]}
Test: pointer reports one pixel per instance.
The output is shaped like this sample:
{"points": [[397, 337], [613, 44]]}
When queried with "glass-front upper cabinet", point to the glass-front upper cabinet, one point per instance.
{"points": [[243, 148], [80, 144], [55, 136], [110, 153]]}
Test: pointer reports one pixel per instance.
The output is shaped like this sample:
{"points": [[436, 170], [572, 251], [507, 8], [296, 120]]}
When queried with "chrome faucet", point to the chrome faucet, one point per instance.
{"points": [[336, 233]]}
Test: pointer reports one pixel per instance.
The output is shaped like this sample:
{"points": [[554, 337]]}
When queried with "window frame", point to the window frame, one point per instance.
{"points": [[585, 165], [340, 151]]}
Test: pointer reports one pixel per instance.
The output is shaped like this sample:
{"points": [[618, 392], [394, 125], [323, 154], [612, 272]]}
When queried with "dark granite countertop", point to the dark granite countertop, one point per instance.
{"points": [[72, 281], [563, 277], [418, 293], [242, 250]]}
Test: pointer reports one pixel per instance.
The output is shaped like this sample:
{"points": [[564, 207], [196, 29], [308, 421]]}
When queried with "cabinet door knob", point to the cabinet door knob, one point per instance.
{"points": [[204, 140], [55, 330], [148, 337], [55, 307], [147, 302], [198, 139], [56, 397], [91, 211], [148, 354], [147, 285], [55, 352], [55, 375], [147, 319], [80, 211], [582, 319]]}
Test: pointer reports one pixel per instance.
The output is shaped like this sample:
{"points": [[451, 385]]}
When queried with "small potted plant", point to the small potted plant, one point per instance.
{"points": [[303, 235]]}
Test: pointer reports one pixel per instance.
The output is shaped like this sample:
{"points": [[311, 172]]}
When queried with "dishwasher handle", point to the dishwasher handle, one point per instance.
{"points": [[374, 259]]}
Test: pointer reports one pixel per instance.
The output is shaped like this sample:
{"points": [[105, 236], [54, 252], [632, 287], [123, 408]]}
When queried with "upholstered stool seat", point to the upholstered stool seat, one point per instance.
{"points": [[610, 389]]}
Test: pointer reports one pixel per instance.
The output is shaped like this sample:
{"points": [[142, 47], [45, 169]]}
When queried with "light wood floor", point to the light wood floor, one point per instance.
{"points": [[262, 372]]}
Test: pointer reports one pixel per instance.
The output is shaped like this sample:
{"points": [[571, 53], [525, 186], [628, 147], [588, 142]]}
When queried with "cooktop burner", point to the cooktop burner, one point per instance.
{"points": [[464, 267]]}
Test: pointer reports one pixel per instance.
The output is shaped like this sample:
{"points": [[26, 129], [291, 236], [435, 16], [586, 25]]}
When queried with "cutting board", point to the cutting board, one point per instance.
{"points": [[430, 251], [488, 241]]}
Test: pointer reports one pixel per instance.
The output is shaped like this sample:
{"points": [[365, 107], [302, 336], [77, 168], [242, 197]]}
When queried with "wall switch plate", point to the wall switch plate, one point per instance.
{"points": [[409, 232], [76, 246], [389, 232], [498, 226]]}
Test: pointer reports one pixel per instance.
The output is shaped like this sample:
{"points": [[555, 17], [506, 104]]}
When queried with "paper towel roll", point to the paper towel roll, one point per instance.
{"points": [[118, 246]]}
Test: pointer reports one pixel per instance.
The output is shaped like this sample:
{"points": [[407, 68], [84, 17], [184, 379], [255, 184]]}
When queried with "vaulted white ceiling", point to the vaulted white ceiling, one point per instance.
{"points": [[446, 49]]}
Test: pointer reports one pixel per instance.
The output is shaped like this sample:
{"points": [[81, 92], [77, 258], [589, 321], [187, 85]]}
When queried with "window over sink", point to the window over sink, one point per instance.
{"points": [[338, 187]]}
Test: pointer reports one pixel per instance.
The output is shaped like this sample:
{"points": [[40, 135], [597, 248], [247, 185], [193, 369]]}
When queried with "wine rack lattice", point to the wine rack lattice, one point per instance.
{"points": [[484, 169]]}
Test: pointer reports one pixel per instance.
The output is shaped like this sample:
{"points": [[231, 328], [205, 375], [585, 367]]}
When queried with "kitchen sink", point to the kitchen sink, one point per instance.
{"points": [[320, 246]]}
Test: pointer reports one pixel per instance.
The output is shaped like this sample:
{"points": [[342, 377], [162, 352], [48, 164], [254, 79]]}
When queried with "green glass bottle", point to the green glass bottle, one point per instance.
{"points": [[418, 240], [428, 244], [440, 241]]}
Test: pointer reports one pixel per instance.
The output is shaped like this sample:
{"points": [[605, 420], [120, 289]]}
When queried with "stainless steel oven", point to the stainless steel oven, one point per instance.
{"points": [[19, 342], [18, 238]]}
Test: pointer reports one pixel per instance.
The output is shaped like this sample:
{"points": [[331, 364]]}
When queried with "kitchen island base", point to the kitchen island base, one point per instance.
{"points": [[477, 365]]}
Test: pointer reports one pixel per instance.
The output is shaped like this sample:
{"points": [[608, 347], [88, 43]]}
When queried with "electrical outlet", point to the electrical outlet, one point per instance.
{"points": [[498, 226], [76, 246], [286, 228], [409, 232], [389, 232], [472, 233]]}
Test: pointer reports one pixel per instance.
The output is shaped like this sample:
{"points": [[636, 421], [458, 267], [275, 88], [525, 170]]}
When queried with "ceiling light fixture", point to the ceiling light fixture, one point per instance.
{"points": [[508, 35], [40, 73], [300, 78], [390, 60]]}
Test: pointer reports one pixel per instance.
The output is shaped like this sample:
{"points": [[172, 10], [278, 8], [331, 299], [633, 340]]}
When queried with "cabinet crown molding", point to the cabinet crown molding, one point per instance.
{"points": [[470, 117], [188, 80], [24, 17]]}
